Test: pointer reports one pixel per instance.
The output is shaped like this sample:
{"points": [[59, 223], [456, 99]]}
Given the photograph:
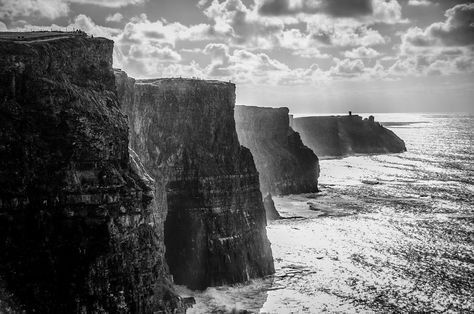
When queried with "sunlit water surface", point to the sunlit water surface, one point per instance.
{"points": [[391, 233]]}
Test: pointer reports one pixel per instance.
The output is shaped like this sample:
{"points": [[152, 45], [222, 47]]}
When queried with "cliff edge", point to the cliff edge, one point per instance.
{"points": [[80, 228], [184, 130], [333, 136], [285, 164]]}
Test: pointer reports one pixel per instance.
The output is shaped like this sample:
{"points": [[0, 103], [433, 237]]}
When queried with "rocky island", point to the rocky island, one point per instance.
{"points": [[335, 136], [184, 130], [81, 230], [285, 164]]}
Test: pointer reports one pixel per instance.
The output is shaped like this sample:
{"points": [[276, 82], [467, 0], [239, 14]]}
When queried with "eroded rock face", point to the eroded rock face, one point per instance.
{"points": [[270, 209], [285, 164], [344, 135], [80, 229], [184, 130]]}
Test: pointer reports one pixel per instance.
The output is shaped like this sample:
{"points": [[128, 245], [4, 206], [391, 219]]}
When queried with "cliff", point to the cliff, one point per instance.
{"points": [[285, 164], [80, 228], [270, 209], [345, 135], [184, 130]]}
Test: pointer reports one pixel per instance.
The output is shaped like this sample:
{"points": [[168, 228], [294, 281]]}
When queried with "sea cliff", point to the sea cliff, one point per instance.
{"points": [[184, 130], [285, 164], [333, 136], [80, 228]]}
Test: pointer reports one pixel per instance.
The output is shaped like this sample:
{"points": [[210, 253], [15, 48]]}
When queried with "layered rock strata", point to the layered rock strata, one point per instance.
{"points": [[285, 164], [184, 130], [330, 136], [80, 228]]}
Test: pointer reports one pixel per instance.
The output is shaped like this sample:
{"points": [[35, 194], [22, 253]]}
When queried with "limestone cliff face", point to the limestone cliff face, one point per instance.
{"points": [[345, 135], [184, 130], [80, 229], [285, 164]]}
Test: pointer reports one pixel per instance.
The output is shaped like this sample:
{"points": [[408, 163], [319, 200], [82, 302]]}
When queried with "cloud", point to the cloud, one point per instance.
{"points": [[419, 3], [82, 22], [347, 68], [361, 53], [86, 24], [427, 65], [388, 11], [355, 69], [144, 47], [117, 17], [442, 48], [383, 11], [456, 30], [246, 67], [338, 8], [344, 33], [241, 26], [109, 3], [50, 9], [3, 27]]}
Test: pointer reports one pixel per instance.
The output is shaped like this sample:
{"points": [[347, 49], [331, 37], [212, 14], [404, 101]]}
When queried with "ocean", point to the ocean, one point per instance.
{"points": [[391, 233]]}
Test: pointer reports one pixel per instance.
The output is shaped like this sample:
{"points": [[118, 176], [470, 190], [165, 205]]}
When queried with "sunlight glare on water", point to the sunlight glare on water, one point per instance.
{"points": [[391, 233]]}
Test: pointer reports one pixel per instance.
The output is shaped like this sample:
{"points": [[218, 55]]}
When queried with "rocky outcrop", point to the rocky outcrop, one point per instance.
{"points": [[331, 136], [80, 228], [184, 130], [285, 164], [270, 209]]}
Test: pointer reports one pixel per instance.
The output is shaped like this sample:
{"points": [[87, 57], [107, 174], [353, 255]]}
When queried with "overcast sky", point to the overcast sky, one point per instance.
{"points": [[309, 55]]}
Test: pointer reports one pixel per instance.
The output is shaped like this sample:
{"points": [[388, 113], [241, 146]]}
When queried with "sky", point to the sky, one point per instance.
{"points": [[312, 56]]}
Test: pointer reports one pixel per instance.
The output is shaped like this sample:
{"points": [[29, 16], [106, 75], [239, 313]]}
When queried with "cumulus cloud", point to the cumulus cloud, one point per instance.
{"points": [[82, 22], [361, 53], [442, 48], [419, 3], [85, 23], [385, 11], [343, 33], [348, 67], [456, 30], [247, 67], [117, 17], [356, 69], [109, 3], [338, 8], [388, 11], [50, 9], [242, 26]]}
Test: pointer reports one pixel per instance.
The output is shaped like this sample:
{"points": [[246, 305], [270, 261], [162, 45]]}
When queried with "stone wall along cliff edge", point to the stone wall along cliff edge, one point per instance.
{"points": [[285, 164], [332, 136], [80, 229], [184, 130]]}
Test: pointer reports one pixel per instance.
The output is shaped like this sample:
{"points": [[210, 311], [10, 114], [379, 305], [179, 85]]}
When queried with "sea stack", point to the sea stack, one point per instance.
{"points": [[285, 164], [184, 130], [80, 229], [334, 136]]}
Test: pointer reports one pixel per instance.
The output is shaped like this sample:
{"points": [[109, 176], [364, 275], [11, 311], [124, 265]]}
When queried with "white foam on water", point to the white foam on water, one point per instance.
{"points": [[387, 233]]}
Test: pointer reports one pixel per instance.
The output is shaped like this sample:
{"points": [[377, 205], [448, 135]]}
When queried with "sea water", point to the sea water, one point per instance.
{"points": [[389, 233]]}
